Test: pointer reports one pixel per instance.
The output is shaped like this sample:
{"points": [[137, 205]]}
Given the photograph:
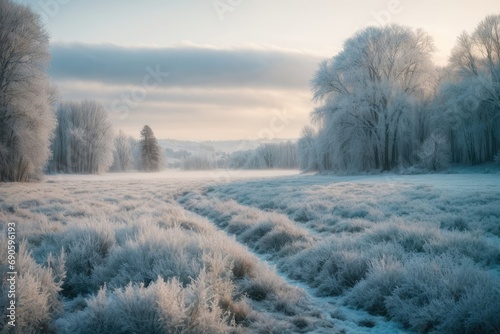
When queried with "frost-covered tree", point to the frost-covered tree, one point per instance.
{"points": [[306, 150], [266, 156], [199, 162], [122, 155], [368, 95], [281, 155], [83, 140], [26, 98], [470, 97], [150, 150]]}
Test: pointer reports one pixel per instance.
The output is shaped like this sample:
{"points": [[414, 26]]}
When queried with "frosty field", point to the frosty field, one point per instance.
{"points": [[257, 252]]}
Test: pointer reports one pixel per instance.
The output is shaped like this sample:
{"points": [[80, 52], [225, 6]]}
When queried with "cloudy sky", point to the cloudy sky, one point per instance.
{"points": [[220, 69]]}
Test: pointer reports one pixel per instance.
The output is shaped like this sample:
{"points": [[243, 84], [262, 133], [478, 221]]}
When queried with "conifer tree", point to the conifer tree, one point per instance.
{"points": [[150, 150]]}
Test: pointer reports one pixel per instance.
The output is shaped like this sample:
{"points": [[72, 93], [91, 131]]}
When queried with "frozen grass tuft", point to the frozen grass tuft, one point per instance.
{"points": [[266, 233], [383, 277], [37, 291], [434, 291], [162, 307]]}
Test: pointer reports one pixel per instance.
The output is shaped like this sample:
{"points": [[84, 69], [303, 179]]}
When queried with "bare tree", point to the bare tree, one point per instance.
{"points": [[266, 156], [471, 94], [199, 162], [306, 150], [83, 140], [122, 154], [26, 98], [150, 150]]}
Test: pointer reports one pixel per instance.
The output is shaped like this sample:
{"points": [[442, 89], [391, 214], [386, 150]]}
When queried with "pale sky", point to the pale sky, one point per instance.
{"points": [[237, 69]]}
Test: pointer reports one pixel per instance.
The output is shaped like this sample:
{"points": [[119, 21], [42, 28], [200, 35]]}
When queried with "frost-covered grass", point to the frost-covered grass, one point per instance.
{"points": [[117, 255], [155, 253], [421, 250]]}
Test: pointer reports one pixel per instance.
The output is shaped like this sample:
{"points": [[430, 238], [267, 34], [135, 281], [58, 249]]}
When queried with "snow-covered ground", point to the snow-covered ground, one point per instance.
{"points": [[269, 251]]}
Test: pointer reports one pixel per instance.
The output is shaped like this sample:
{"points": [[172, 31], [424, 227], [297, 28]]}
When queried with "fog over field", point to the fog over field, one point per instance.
{"points": [[232, 166]]}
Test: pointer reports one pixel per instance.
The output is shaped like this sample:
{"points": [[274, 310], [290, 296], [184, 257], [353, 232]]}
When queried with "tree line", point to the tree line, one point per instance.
{"points": [[84, 143], [382, 104], [37, 132], [265, 156]]}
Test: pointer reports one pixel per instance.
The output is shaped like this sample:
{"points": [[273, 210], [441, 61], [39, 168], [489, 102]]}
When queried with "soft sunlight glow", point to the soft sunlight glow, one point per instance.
{"points": [[309, 30]]}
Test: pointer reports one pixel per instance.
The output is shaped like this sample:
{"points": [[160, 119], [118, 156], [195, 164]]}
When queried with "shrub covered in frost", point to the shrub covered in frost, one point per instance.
{"points": [[443, 295], [37, 291], [162, 307]]}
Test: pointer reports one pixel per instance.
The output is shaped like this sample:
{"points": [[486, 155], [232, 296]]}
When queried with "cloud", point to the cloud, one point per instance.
{"points": [[188, 66], [209, 93], [195, 96], [199, 113]]}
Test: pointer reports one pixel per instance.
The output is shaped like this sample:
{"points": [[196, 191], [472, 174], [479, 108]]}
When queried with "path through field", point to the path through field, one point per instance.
{"points": [[330, 235]]}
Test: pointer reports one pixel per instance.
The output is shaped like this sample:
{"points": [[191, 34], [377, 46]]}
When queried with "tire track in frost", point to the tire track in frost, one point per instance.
{"points": [[221, 214]]}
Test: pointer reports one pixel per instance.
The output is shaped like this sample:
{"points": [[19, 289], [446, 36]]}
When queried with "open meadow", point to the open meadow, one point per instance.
{"points": [[258, 252]]}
